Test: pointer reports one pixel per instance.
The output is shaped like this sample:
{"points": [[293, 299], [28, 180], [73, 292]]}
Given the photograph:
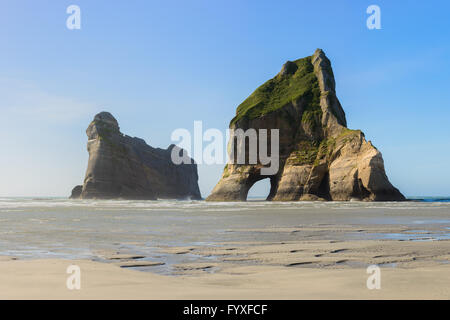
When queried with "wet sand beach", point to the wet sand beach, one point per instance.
{"points": [[199, 250]]}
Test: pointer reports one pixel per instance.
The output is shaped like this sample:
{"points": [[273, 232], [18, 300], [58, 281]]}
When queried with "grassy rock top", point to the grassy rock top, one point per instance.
{"points": [[296, 80]]}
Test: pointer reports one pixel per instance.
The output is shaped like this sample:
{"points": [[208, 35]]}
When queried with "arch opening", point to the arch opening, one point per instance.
{"points": [[261, 189]]}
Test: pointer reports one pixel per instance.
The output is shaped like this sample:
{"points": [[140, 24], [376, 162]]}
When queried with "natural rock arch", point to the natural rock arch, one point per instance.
{"points": [[320, 158]]}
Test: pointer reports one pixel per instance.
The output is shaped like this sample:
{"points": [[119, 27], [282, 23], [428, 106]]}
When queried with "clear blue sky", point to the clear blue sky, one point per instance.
{"points": [[160, 65]]}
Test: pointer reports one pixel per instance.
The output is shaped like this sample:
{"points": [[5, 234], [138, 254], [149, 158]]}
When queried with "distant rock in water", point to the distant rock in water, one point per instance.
{"points": [[320, 158], [76, 192], [122, 167]]}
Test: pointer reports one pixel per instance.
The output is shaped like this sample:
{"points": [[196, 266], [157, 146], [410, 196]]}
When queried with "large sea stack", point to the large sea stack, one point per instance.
{"points": [[320, 158], [122, 167]]}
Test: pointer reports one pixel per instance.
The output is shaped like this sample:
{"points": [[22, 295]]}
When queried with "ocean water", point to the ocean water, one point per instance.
{"points": [[431, 199], [61, 228]]}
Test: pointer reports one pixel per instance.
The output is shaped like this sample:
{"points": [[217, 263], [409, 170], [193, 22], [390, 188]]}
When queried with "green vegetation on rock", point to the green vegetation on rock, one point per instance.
{"points": [[312, 152], [325, 150], [306, 153], [283, 89], [312, 116], [348, 134], [226, 173]]}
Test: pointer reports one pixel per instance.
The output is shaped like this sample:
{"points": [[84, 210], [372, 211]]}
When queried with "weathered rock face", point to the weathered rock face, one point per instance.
{"points": [[320, 158], [127, 168], [76, 192]]}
